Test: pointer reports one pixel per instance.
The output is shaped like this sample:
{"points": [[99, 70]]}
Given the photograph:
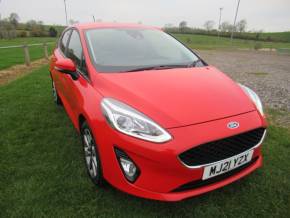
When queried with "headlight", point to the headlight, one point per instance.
{"points": [[131, 122], [254, 97]]}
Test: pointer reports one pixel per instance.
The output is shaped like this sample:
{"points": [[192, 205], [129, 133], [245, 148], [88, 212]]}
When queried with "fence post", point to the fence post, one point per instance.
{"points": [[45, 51], [26, 55]]}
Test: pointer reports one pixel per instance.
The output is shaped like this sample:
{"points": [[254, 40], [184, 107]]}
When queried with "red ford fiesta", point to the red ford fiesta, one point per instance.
{"points": [[156, 121]]}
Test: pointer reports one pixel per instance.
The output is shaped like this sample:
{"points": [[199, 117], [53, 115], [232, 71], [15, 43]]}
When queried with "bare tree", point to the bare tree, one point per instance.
{"points": [[7, 29], [241, 26], [225, 26], [208, 25], [30, 24], [182, 25], [36, 28], [14, 19], [41, 26]]}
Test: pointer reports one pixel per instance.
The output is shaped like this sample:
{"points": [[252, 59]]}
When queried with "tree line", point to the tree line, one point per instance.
{"points": [[223, 30], [10, 27]]}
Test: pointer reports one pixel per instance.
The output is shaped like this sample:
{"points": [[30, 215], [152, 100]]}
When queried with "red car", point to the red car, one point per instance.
{"points": [[156, 121]]}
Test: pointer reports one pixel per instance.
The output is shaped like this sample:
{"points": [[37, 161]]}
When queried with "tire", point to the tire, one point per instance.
{"points": [[55, 96], [91, 155]]}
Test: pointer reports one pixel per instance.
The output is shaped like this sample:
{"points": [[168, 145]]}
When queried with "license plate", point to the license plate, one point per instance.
{"points": [[227, 165]]}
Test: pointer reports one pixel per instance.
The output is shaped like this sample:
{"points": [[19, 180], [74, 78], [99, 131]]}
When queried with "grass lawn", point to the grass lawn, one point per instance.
{"points": [[42, 172], [12, 56], [213, 42], [282, 36]]}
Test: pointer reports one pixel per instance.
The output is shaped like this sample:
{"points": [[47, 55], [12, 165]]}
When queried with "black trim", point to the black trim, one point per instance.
{"points": [[221, 149], [199, 183], [121, 154], [60, 39], [74, 75], [86, 77]]}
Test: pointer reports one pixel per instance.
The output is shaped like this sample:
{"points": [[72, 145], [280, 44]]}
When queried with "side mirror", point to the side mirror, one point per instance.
{"points": [[67, 66]]}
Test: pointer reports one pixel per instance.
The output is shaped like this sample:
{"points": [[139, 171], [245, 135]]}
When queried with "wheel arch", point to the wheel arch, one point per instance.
{"points": [[81, 120]]}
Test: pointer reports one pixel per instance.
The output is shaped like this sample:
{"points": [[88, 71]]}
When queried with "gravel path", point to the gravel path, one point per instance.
{"points": [[266, 73]]}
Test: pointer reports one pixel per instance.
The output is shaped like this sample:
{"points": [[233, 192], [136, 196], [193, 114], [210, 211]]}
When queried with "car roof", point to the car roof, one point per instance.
{"points": [[100, 25]]}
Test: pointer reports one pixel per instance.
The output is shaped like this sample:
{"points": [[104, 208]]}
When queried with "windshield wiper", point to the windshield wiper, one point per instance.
{"points": [[194, 63], [159, 67], [166, 66]]}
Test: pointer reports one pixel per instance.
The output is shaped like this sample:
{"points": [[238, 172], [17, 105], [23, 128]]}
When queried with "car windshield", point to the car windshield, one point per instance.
{"points": [[122, 50]]}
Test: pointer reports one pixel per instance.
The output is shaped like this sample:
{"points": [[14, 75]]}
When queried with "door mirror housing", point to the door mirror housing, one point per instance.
{"points": [[67, 66]]}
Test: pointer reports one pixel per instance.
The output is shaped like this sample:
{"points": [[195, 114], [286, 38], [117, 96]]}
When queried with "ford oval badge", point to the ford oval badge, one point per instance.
{"points": [[233, 125]]}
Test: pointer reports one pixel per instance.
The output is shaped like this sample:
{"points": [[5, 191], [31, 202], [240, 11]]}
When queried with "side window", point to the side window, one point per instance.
{"points": [[63, 41], [75, 52]]}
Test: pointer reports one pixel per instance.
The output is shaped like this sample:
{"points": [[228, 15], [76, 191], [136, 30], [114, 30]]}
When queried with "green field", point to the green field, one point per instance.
{"points": [[42, 171], [213, 42], [12, 56], [275, 36], [282, 36]]}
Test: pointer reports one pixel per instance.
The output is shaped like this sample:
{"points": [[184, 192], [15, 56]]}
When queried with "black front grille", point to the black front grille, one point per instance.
{"points": [[200, 183], [221, 149]]}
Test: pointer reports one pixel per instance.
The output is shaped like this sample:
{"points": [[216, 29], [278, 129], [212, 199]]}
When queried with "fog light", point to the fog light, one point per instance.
{"points": [[128, 167]]}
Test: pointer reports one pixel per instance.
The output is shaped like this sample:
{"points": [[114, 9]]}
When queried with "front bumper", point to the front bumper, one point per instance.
{"points": [[162, 173]]}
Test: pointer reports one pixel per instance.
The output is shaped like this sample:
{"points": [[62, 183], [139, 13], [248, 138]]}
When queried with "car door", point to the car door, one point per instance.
{"points": [[60, 52], [74, 90]]}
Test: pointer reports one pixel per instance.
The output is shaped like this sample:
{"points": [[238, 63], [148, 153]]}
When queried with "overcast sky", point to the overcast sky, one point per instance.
{"points": [[268, 15]]}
